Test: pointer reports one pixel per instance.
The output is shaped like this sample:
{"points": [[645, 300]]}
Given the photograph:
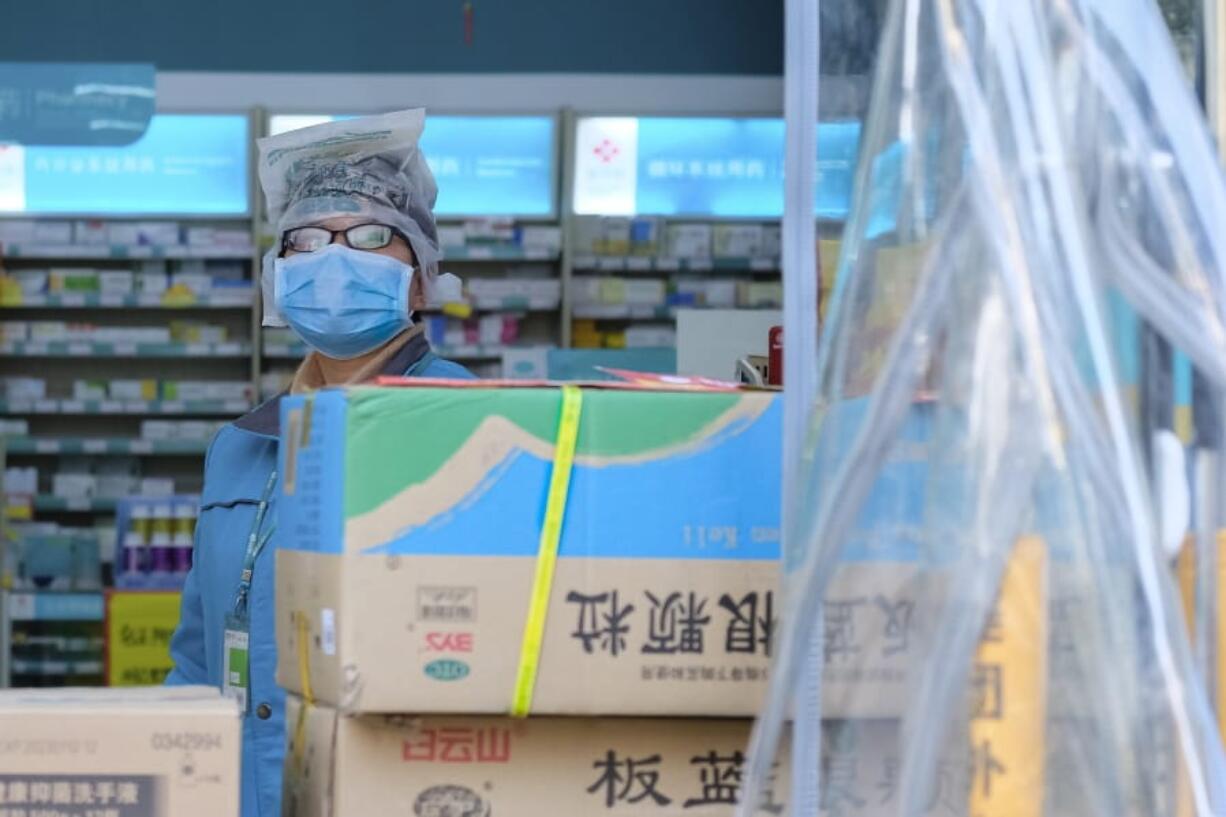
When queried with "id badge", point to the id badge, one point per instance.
{"points": [[236, 651]]}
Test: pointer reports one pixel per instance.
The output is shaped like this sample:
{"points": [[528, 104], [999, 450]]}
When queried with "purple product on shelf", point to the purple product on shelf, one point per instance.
{"points": [[161, 538], [184, 530], [135, 542]]}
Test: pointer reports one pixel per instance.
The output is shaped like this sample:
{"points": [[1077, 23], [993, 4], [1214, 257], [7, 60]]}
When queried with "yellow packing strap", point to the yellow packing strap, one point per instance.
{"points": [[298, 743], [547, 552]]}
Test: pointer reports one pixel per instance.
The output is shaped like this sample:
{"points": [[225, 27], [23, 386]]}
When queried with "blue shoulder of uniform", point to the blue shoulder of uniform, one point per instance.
{"points": [[446, 369]]}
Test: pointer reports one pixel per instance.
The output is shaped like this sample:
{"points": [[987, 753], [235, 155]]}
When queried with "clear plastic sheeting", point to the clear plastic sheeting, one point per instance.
{"points": [[977, 536]]}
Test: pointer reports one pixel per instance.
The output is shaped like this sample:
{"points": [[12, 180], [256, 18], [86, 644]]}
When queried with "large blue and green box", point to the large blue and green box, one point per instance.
{"points": [[410, 521]]}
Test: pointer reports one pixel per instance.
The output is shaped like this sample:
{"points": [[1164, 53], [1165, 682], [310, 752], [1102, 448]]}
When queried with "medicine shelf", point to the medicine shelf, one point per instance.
{"points": [[626, 312], [498, 252], [623, 312], [647, 263], [239, 299], [127, 407], [51, 668], [59, 540], [124, 350], [109, 252], [50, 502], [296, 351], [104, 445], [55, 606], [515, 304]]}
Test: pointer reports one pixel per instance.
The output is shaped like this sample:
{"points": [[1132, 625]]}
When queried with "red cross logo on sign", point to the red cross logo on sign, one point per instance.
{"points": [[607, 151]]}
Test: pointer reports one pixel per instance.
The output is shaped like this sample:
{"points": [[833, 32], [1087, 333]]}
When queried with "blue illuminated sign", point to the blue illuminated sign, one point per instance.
{"points": [[484, 165], [703, 166], [183, 165]]}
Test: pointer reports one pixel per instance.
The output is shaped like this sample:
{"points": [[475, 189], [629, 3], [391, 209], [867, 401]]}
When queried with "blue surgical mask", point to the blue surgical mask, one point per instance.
{"points": [[343, 302]]}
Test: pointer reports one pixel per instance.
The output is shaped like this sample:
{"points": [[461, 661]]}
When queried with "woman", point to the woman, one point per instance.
{"points": [[357, 254]]}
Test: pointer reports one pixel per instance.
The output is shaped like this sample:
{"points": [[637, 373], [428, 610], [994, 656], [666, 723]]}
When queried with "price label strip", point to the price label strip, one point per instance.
{"points": [[547, 553]]}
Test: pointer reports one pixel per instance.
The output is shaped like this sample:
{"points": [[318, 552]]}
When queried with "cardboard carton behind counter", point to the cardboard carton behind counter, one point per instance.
{"points": [[159, 752], [337, 766], [474, 766], [410, 521]]}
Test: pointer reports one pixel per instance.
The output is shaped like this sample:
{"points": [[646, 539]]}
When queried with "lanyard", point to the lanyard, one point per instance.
{"points": [[255, 545]]}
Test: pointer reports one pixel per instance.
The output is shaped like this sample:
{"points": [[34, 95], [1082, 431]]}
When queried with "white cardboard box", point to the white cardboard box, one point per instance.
{"points": [[152, 752]]}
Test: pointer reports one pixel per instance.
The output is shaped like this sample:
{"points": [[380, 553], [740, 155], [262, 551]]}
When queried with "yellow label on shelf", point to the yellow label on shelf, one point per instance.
{"points": [[139, 625], [179, 295], [1010, 674], [10, 292], [458, 309], [19, 511]]}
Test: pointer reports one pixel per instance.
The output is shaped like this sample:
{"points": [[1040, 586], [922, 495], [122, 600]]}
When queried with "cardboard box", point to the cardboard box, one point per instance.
{"points": [[584, 767], [737, 240], [688, 241], [451, 237], [648, 336], [587, 234], [645, 236], [645, 292], [142, 233], [52, 232], [13, 331], [116, 282], [539, 237], [772, 240], [90, 232], [614, 236], [134, 390], [71, 280], [151, 283], [759, 294], [153, 752], [440, 767], [530, 363], [413, 576]]}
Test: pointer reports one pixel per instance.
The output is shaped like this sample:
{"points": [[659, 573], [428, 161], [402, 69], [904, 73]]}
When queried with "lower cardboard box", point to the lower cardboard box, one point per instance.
{"points": [[152, 752], [467, 766], [345, 766]]}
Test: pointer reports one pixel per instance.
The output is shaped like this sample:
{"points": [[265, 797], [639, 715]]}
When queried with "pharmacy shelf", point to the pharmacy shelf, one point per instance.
{"points": [[645, 263], [110, 252], [626, 312], [59, 540], [296, 351], [623, 312], [51, 503], [51, 668], [516, 304], [498, 252], [55, 606], [104, 445], [142, 408], [285, 351], [475, 352], [239, 299], [125, 350]]}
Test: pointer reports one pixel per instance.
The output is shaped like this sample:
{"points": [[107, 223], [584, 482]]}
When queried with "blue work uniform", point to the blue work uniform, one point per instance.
{"points": [[237, 468]]}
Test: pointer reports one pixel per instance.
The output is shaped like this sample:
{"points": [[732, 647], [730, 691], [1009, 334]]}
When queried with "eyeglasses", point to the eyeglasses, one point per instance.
{"points": [[359, 237]]}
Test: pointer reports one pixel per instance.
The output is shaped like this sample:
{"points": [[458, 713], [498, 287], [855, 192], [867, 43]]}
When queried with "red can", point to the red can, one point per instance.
{"points": [[774, 360]]}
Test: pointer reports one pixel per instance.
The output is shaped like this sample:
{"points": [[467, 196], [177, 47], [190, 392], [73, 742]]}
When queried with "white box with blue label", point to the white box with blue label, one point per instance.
{"points": [[410, 520], [144, 752]]}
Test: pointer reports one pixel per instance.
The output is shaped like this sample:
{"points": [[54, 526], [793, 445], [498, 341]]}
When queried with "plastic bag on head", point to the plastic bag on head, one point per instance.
{"points": [[369, 168], [977, 543]]}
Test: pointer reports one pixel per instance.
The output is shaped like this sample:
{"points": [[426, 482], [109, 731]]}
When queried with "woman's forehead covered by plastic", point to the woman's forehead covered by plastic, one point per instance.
{"points": [[368, 168]]}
